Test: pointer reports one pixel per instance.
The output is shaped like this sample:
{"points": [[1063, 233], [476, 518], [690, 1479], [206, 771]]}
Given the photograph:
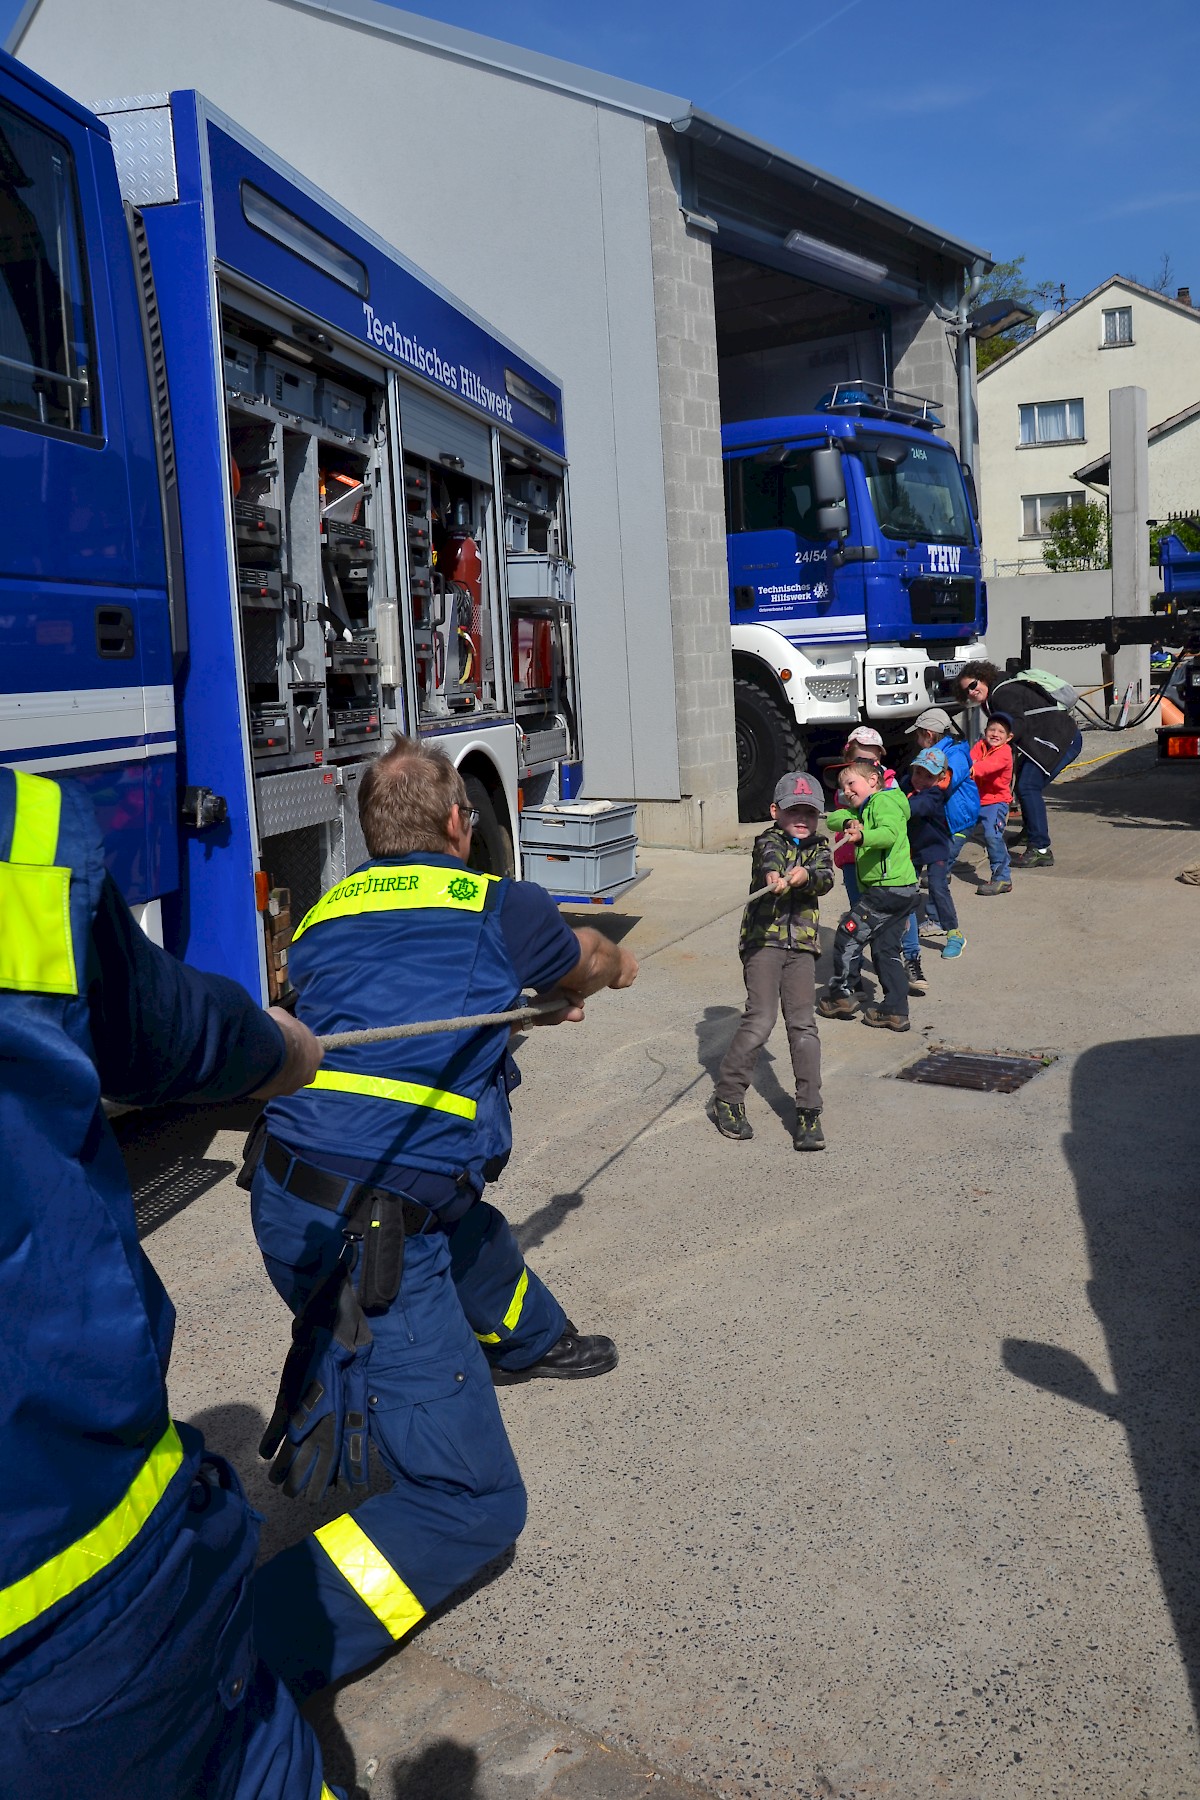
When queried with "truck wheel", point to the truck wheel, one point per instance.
{"points": [[768, 746], [491, 842]]}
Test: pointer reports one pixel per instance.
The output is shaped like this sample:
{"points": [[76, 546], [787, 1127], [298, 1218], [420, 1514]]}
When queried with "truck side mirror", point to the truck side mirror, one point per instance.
{"points": [[972, 495], [829, 492]]}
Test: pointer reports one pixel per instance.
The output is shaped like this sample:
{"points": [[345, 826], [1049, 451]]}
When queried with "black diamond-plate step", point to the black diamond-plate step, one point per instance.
{"points": [[986, 1071]]}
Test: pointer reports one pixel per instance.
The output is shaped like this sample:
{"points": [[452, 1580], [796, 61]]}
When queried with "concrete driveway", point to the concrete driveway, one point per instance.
{"points": [[894, 1490]]}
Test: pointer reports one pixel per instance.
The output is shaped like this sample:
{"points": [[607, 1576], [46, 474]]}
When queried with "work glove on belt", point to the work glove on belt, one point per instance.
{"points": [[317, 1436]]}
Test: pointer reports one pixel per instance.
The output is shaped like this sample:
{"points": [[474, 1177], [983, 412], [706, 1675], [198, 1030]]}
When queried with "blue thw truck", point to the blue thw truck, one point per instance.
{"points": [[855, 586], [270, 492]]}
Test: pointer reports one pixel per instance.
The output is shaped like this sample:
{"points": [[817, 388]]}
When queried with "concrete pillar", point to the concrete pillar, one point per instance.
{"points": [[690, 411], [1129, 491]]}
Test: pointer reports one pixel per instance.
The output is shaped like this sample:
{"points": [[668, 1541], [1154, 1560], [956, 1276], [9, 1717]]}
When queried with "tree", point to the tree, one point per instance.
{"points": [[1007, 281], [1077, 538]]}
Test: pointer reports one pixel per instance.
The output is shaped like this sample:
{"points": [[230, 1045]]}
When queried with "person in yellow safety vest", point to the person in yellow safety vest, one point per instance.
{"points": [[128, 1663], [365, 1183]]}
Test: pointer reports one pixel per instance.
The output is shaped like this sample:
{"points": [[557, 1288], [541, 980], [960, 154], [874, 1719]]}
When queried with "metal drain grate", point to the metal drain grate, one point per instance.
{"points": [[986, 1071]]}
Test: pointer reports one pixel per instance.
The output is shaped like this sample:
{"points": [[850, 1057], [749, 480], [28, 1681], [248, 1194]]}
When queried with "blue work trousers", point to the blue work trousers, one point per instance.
{"points": [[510, 1309], [151, 1686], [1032, 783], [333, 1602], [995, 818]]}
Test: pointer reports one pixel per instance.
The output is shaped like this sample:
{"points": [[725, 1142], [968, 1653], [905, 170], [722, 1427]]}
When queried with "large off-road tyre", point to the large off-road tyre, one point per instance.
{"points": [[768, 746], [491, 842]]}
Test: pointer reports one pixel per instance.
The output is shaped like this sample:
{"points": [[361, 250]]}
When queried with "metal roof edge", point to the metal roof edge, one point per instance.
{"points": [[493, 53], [21, 26], [770, 155]]}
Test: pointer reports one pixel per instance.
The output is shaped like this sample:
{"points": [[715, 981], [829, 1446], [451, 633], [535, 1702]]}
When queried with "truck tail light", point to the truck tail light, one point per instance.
{"points": [[1182, 746], [262, 890]]}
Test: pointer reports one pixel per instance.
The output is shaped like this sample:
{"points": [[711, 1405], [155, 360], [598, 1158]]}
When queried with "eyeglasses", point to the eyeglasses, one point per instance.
{"points": [[969, 687], [471, 816]]}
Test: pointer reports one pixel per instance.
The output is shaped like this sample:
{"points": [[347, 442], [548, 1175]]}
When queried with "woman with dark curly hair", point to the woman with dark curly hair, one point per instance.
{"points": [[1044, 733]]}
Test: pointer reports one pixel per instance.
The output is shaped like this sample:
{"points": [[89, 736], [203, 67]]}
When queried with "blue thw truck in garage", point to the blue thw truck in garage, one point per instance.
{"points": [[855, 585], [269, 493]]}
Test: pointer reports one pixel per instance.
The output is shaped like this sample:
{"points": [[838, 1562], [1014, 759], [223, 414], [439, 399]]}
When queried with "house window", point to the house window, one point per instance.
{"points": [[1037, 508], [1118, 325], [1052, 422]]}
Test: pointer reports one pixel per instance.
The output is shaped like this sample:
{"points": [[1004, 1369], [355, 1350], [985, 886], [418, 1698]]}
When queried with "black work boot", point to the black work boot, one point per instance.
{"points": [[917, 983], [808, 1134], [729, 1117], [573, 1358]]}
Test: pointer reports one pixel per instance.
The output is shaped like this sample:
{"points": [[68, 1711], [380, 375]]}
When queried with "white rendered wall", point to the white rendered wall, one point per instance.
{"points": [[1066, 362], [530, 204]]}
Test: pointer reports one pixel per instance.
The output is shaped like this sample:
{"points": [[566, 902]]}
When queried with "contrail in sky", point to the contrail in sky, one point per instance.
{"points": [[788, 48]]}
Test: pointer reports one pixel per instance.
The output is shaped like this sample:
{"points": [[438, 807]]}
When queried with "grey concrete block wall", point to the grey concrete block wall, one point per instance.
{"points": [[923, 362], [690, 411]]}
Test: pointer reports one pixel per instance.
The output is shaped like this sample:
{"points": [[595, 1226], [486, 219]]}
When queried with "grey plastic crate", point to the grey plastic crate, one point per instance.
{"points": [[289, 387], [581, 871], [241, 364], [583, 824], [341, 408]]}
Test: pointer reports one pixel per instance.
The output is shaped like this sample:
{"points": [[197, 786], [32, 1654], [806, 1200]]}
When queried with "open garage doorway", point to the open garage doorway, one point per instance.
{"points": [[782, 342]]}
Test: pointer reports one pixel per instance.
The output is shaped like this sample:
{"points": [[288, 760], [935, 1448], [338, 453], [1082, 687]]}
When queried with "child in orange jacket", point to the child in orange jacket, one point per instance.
{"points": [[992, 773]]}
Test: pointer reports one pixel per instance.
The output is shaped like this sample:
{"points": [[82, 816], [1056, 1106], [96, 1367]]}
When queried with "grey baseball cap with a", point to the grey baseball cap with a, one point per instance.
{"points": [[798, 789], [935, 719]]}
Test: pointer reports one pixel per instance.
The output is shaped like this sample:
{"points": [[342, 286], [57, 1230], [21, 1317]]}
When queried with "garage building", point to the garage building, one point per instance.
{"points": [[670, 268]]}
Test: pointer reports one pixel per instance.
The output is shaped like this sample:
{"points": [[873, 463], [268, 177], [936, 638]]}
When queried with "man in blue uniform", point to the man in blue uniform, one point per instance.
{"points": [[367, 1209], [127, 1653]]}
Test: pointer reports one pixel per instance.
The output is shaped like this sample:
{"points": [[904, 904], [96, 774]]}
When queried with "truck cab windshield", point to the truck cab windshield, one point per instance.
{"points": [[920, 496]]}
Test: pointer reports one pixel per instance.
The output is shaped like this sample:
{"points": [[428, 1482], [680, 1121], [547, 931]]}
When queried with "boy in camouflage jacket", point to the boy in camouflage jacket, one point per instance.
{"points": [[779, 946]]}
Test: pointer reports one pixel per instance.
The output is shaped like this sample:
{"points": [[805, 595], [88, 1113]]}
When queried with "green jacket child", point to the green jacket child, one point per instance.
{"points": [[882, 858]]}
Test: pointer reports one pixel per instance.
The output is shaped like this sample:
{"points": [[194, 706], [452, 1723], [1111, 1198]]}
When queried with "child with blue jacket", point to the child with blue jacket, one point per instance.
{"points": [[931, 841]]}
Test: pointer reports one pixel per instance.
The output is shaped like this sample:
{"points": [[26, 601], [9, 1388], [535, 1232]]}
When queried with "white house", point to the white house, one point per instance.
{"points": [[1043, 413]]}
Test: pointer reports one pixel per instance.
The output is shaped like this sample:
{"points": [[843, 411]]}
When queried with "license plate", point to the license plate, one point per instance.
{"points": [[951, 669]]}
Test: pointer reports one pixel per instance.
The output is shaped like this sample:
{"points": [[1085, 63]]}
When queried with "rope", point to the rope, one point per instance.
{"points": [[382, 1034]]}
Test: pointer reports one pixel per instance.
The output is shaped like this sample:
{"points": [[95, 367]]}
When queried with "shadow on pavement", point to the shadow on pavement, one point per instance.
{"points": [[164, 1150], [442, 1771], [540, 1225], [714, 1033], [1133, 792], [1131, 1148]]}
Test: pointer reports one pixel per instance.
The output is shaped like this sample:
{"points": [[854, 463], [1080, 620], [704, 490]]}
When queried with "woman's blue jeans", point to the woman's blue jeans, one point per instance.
{"points": [[1031, 785]]}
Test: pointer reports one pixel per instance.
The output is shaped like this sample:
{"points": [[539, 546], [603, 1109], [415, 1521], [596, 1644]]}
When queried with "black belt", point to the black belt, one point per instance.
{"points": [[338, 1193]]}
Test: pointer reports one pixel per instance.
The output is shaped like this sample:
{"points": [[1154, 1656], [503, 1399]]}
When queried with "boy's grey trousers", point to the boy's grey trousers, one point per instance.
{"points": [[773, 974]]}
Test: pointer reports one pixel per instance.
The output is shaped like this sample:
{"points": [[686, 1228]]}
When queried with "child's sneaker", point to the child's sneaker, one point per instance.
{"points": [[1034, 859], [955, 944], [808, 1134], [916, 976], [836, 1004], [729, 1117]]}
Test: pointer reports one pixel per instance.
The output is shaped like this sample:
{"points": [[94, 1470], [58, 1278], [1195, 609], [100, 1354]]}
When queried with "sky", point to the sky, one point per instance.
{"points": [[1055, 129]]}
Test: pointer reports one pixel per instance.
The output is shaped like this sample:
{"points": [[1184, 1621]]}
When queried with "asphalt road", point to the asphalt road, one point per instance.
{"points": [[894, 1490]]}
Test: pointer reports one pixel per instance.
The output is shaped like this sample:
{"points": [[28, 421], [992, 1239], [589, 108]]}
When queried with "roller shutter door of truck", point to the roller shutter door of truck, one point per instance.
{"points": [[430, 428]]}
